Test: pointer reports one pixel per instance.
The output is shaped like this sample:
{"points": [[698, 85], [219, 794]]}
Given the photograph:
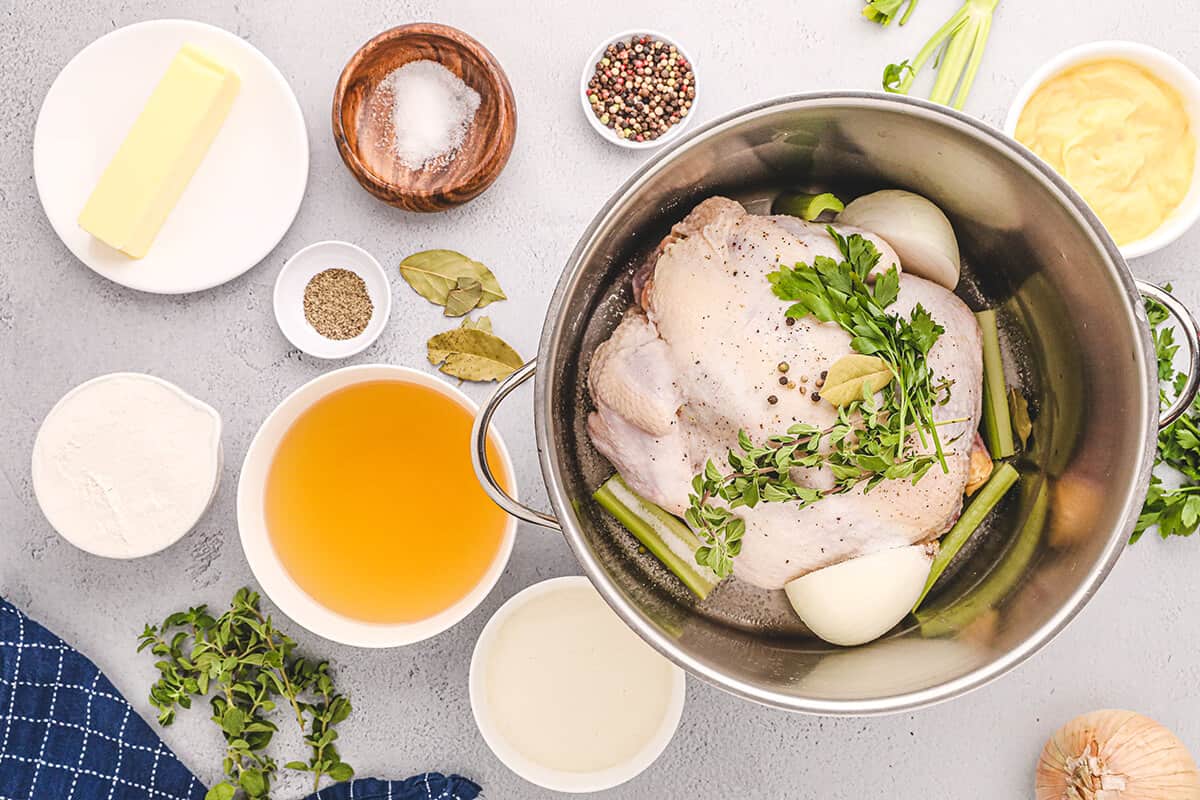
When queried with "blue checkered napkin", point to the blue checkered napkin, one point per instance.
{"points": [[430, 786], [67, 734], [65, 731]]}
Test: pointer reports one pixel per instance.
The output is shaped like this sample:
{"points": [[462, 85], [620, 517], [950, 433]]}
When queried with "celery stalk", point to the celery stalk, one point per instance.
{"points": [[656, 529], [997, 424], [948, 620], [964, 37], [884, 11], [806, 206], [1003, 478]]}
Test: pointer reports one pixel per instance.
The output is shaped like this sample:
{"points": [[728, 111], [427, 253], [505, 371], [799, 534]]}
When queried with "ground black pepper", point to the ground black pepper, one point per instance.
{"points": [[337, 304]]}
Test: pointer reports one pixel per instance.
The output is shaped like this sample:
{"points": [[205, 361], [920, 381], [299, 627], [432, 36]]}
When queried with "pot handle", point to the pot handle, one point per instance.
{"points": [[479, 458], [1191, 332]]}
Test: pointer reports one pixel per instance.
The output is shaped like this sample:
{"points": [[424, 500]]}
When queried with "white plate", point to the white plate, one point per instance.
{"points": [[243, 197], [289, 297]]}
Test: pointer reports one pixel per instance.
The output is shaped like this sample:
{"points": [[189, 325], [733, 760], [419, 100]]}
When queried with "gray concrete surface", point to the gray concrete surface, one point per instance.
{"points": [[1136, 645]]}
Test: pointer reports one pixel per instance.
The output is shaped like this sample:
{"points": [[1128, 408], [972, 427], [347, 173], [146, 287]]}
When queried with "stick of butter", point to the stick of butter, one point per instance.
{"points": [[161, 152]]}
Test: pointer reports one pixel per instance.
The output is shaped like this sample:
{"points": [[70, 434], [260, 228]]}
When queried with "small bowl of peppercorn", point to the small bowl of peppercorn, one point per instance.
{"points": [[332, 299], [638, 89]]}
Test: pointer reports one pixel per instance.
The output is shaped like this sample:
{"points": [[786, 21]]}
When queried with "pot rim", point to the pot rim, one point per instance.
{"points": [[553, 334]]}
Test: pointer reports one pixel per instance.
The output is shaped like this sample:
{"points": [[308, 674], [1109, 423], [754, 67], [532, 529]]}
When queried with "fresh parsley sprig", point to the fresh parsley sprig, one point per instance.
{"points": [[871, 442], [1175, 510], [249, 664], [838, 291]]}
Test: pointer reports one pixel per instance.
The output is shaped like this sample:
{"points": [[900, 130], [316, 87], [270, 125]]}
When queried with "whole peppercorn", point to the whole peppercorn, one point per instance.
{"points": [[641, 88], [772, 399]]}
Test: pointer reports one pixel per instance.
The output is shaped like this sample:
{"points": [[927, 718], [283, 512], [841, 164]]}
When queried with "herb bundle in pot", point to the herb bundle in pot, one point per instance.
{"points": [[249, 669], [891, 352]]}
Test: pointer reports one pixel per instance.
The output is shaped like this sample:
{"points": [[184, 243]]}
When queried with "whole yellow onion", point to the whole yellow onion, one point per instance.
{"points": [[1116, 755]]}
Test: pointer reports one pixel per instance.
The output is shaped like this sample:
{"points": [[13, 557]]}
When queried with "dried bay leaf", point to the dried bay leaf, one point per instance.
{"points": [[480, 324], [853, 376], [1018, 409], [464, 297], [473, 354], [434, 274]]}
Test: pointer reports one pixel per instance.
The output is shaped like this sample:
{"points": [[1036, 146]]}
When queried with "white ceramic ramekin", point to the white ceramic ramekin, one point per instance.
{"points": [[589, 69], [1168, 69], [547, 778], [289, 297], [265, 563], [40, 471]]}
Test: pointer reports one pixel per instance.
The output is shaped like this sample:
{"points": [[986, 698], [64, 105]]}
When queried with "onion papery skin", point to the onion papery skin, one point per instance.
{"points": [[1116, 755]]}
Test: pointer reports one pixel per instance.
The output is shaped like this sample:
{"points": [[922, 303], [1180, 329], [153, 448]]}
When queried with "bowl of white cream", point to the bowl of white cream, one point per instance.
{"points": [[125, 464], [566, 695]]}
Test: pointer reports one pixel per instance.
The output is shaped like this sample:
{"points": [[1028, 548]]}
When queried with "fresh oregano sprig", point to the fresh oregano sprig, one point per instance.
{"points": [[858, 453], [248, 665], [870, 443]]}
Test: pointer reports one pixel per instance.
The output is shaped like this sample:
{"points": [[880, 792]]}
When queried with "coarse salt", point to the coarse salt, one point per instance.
{"points": [[432, 109]]}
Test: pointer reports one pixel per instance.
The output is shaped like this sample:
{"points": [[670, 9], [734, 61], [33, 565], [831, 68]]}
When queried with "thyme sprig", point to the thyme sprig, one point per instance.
{"points": [[249, 664], [872, 441]]}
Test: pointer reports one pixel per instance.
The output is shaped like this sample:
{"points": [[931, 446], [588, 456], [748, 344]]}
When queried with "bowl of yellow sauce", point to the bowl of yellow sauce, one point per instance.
{"points": [[1120, 121], [359, 511]]}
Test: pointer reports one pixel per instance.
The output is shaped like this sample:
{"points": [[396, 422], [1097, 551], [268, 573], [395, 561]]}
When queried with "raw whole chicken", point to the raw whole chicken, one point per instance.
{"points": [[697, 356]]}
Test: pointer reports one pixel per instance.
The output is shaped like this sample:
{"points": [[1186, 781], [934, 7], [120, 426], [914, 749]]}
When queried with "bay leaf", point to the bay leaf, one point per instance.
{"points": [[1018, 409], [464, 297], [853, 375], [480, 324], [473, 355], [434, 275]]}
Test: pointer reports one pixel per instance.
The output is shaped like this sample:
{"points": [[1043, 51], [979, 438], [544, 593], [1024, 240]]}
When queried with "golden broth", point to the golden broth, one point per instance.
{"points": [[373, 507]]}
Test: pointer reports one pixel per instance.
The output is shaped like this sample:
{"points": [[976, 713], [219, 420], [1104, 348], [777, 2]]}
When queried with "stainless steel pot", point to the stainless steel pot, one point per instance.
{"points": [[1079, 344]]}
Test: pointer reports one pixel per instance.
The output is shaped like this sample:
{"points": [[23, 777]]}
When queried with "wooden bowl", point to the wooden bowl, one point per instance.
{"points": [[362, 118]]}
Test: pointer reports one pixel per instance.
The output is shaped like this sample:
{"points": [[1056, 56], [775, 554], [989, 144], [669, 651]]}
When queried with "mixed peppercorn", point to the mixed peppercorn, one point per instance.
{"points": [[641, 88]]}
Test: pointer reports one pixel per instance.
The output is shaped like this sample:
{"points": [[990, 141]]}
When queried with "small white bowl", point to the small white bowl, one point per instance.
{"points": [[1165, 67], [44, 474], [547, 778], [589, 69], [289, 297], [270, 572]]}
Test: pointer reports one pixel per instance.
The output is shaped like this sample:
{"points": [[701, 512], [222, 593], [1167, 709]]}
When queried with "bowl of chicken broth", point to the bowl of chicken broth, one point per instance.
{"points": [[359, 513]]}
